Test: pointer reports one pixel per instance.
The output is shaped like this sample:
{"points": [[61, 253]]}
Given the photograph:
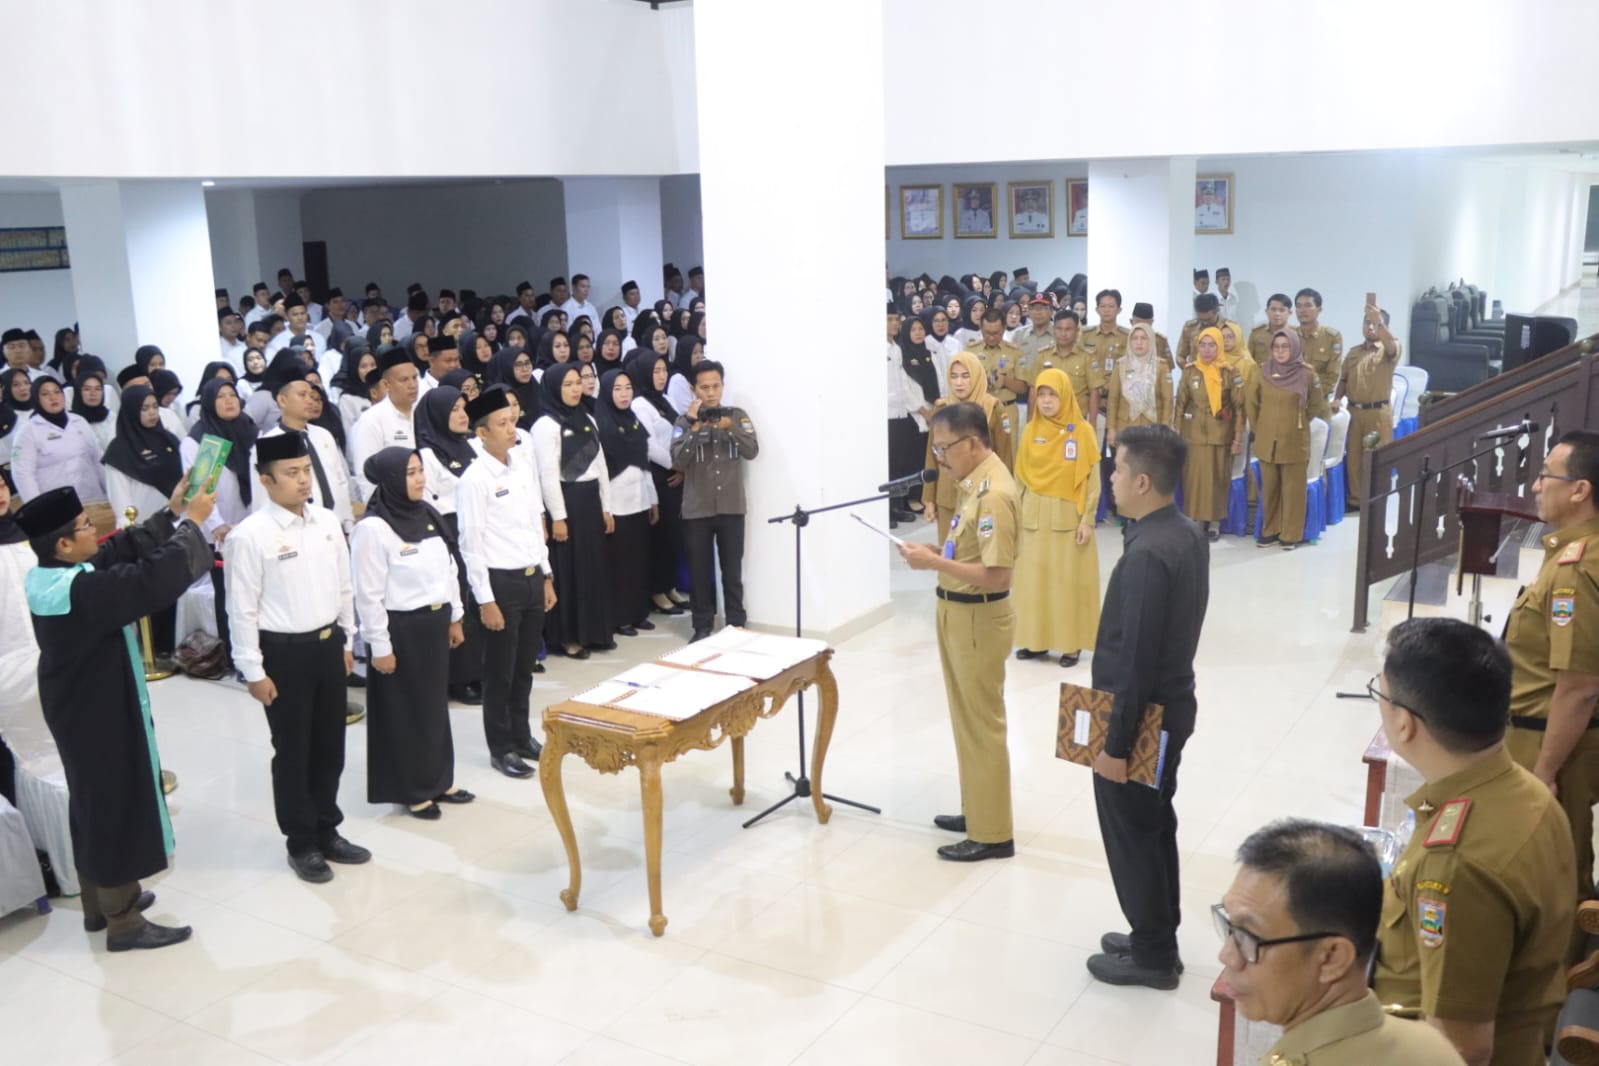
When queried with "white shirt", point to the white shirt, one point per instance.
{"points": [[1229, 310], [391, 575], [285, 574], [232, 354], [500, 509], [281, 341], [45, 456], [442, 481], [631, 314], [256, 314], [403, 328], [316, 312], [351, 407], [547, 438], [327, 451], [381, 427], [172, 418], [124, 492], [659, 429], [633, 491], [902, 391], [230, 507], [574, 308]]}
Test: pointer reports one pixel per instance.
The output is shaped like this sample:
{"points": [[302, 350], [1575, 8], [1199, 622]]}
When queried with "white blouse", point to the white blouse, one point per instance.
{"points": [[124, 492], [230, 507], [45, 456], [442, 481], [392, 575], [632, 491], [659, 429], [547, 436]]}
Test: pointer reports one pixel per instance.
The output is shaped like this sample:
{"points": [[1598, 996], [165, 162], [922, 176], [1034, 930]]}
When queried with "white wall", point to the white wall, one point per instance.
{"points": [[35, 299], [279, 234], [682, 239], [486, 236], [235, 246]]}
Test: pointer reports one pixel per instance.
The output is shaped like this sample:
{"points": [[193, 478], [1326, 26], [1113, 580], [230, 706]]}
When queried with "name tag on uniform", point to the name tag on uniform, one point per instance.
{"points": [[1070, 451], [401, 434], [408, 549], [501, 491], [52, 436], [285, 556]]}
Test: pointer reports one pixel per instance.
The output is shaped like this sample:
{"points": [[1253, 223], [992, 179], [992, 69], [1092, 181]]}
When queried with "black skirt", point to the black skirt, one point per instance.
{"points": [[410, 753], [628, 554], [466, 661], [666, 536], [582, 612]]}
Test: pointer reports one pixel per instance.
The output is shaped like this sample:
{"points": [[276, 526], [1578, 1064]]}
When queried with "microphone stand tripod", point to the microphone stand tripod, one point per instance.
{"points": [[802, 784]]}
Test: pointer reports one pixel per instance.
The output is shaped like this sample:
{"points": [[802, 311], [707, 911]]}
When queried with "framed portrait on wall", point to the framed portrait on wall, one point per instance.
{"points": [[974, 209], [1076, 207], [1213, 203], [921, 212], [1032, 208]]}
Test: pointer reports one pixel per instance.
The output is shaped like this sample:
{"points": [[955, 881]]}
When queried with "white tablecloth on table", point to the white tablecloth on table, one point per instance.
{"points": [[21, 882]]}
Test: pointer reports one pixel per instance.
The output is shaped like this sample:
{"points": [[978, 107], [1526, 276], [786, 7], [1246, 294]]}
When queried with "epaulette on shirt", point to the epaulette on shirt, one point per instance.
{"points": [[1447, 825]]}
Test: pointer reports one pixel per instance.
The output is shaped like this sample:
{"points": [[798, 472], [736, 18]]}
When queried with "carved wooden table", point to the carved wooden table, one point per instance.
{"points": [[610, 738], [1376, 760]]}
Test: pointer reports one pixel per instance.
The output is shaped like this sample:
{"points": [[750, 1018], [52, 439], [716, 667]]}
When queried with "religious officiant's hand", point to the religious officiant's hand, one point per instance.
{"points": [[1111, 768], [201, 506], [175, 501]]}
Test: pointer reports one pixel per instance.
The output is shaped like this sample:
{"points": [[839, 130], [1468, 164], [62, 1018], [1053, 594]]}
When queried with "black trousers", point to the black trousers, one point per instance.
{"points": [[1139, 827], [725, 534], [907, 447], [307, 723], [508, 658], [219, 593], [666, 536]]}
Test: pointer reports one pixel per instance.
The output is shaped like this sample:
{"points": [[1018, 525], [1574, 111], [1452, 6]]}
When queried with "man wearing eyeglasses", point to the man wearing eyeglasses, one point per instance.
{"points": [[1299, 930], [1553, 637], [1478, 915]]}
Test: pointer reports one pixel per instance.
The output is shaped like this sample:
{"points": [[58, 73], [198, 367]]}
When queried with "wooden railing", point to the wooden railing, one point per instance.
{"points": [[1410, 477], [1500, 384]]}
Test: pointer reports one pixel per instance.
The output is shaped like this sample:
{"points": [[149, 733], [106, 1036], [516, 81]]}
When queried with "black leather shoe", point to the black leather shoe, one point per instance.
{"points": [[532, 750], [355, 680], [1025, 654], [337, 849], [645, 625], [1265, 542], [145, 901], [511, 765], [312, 867], [1071, 660], [460, 795], [971, 851], [1122, 970], [673, 613], [538, 668], [148, 937], [430, 813], [609, 645], [471, 695], [1351, 508], [950, 823], [580, 653], [699, 634], [1122, 944], [627, 631]]}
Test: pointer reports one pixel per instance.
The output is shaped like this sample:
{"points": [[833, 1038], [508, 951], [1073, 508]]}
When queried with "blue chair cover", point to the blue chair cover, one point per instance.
{"points": [[1337, 492], [1406, 426], [1315, 509], [1260, 506], [1236, 522]]}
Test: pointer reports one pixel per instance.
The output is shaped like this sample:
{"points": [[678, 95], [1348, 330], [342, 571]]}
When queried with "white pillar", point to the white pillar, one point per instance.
{"points": [[141, 271], [1141, 236], [791, 173], [613, 234], [235, 242]]}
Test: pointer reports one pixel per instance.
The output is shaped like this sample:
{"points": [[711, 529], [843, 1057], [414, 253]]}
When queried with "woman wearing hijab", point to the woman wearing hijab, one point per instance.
{"points": [[582, 347], [380, 336], [148, 358], [553, 348], [88, 403], [635, 506], [577, 497], [349, 377], [16, 404], [614, 318], [53, 447], [940, 342], [255, 365], [167, 389], [1209, 412], [649, 373], [404, 575], [608, 349], [552, 320], [968, 383], [463, 381], [444, 440], [325, 413], [142, 463], [354, 396], [517, 335], [680, 389], [591, 385], [224, 370], [65, 357], [1139, 387], [971, 321], [1235, 350], [476, 351], [908, 434], [221, 415], [1057, 565], [92, 364], [1281, 400], [513, 368]]}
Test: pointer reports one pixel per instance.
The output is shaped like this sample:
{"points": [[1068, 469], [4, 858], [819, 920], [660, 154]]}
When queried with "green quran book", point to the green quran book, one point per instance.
{"points": [[207, 465]]}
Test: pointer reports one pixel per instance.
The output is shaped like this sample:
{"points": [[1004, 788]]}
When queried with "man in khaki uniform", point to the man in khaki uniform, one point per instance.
{"points": [[1107, 341], [1000, 358], [1278, 308], [1478, 914], [1553, 637], [1035, 340], [1144, 315], [1367, 380], [1207, 313], [1299, 929], [975, 625], [1324, 346], [1081, 369]]}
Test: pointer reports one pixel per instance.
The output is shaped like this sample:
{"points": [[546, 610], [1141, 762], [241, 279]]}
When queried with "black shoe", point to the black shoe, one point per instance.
{"points": [[312, 867], [430, 813], [673, 613], [145, 901], [1122, 944], [1265, 542], [699, 635], [471, 695], [950, 823], [511, 765], [645, 625], [626, 631], [1122, 970], [1025, 654], [609, 645], [538, 668], [971, 851], [581, 653], [337, 849], [355, 680], [1351, 508], [1071, 659], [460, 795], [147, 937], [1214, 535], [531, 750]]}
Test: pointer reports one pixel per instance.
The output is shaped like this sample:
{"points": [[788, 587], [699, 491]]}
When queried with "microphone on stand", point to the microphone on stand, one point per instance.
{"points": [[1527, 426], [901, 486]]}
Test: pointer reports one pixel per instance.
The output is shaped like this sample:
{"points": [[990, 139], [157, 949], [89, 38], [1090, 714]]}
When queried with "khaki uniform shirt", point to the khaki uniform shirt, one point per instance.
{"points": [[1360, 1034], [1033, 345], [1085, 372], [1260, 342], [1192, 415], [1368, 373], [1477, 916], [1004, 361], [1551, 614], [1186, 339], [1104, 347], [1324, 351], [986, 526], [710, 458], [1282, 429]]}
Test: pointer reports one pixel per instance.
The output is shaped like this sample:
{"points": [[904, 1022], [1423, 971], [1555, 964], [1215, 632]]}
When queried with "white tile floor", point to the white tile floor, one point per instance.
{"points": [[789, 942]]}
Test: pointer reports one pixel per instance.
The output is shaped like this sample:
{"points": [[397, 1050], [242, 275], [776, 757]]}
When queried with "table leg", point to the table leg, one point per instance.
{"points": [[555, 800], [1376, 782], [827, 686], [649, 774], [737, 791]]}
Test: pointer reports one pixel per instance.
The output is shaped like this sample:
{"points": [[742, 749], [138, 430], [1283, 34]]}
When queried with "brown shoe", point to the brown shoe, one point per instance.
{"points": [[1578, 1045], [1585, 974]]}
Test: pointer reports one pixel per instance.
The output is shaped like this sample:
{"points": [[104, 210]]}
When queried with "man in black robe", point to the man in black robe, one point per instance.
{"points": [[85, 597]]}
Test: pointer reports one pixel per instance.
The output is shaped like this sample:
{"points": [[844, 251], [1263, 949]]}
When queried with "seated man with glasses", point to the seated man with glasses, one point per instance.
{"points": [[1299, 931], [1478, 915]]}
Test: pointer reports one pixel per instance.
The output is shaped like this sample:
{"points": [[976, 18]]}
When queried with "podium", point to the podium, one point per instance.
{"points": [[1482, 516]]}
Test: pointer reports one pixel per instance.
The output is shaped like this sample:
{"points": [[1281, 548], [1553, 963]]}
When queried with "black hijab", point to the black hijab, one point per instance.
{"points": [[347, 380], [644, 329], [211, 372], [63, 360], [695, 320], [92, 415], [457, 377], [59, 420], [411, 520], [329, 419], [255, 379], [466, 344], [599, 348], [502, 371], [373, 333], [683, 357], [918, 361], [452, 450], [149, 456], [579, 439], [6, 379], [240, 431], [163, 382], [640, 370], [146, 353], [622, 435], [546, 357], [967, 306], [605, 319], [519, 326]]}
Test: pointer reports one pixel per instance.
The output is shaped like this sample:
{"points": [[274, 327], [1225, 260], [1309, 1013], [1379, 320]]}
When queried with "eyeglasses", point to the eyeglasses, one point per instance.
{"points": [[1248, 944], [941, 450], [1378, 694], [83, 527], [1544, 475]]}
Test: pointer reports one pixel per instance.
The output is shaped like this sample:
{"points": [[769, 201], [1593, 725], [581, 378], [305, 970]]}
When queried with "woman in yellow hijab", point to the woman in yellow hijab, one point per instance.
{"points": [[1057, 563], [1209, 412], [968, 383]]}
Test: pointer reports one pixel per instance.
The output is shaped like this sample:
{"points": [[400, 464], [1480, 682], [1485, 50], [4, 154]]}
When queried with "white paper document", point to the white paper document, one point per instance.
{"points": [[881, 532]]}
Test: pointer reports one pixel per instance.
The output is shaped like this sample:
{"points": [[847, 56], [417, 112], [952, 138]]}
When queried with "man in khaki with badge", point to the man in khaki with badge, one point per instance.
{"points": [[1367, 381], [1207, 313], [1106, 341], [1324, 346], [1478, 914], [1084, 372], [1002, 360], [1553, 637], [975, 625], [1036, 340], [1278, 308]]}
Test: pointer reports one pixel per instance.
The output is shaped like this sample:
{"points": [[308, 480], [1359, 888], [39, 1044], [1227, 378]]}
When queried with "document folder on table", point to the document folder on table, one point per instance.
{"points": [[1085, 722]]}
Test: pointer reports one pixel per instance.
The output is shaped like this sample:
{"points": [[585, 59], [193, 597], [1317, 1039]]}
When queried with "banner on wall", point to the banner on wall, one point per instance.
{"points": [[34, 248]]}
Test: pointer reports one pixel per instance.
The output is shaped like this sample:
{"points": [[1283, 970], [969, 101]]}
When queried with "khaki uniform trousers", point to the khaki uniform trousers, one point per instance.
{"points": [[1380, 422], [114, 903], [974, 640], [1578, 782], [1282, 498]]}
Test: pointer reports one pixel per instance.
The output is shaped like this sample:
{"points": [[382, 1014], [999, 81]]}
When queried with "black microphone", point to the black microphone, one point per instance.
{"points": [[1528, 426], [901, 486]]}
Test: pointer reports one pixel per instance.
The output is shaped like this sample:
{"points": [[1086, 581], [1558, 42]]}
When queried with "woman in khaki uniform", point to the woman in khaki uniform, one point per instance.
{"points": [[1057, 564], [1235, 350], [1281, 401], [967, 384], [1140, 387], [1209, 412]]}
